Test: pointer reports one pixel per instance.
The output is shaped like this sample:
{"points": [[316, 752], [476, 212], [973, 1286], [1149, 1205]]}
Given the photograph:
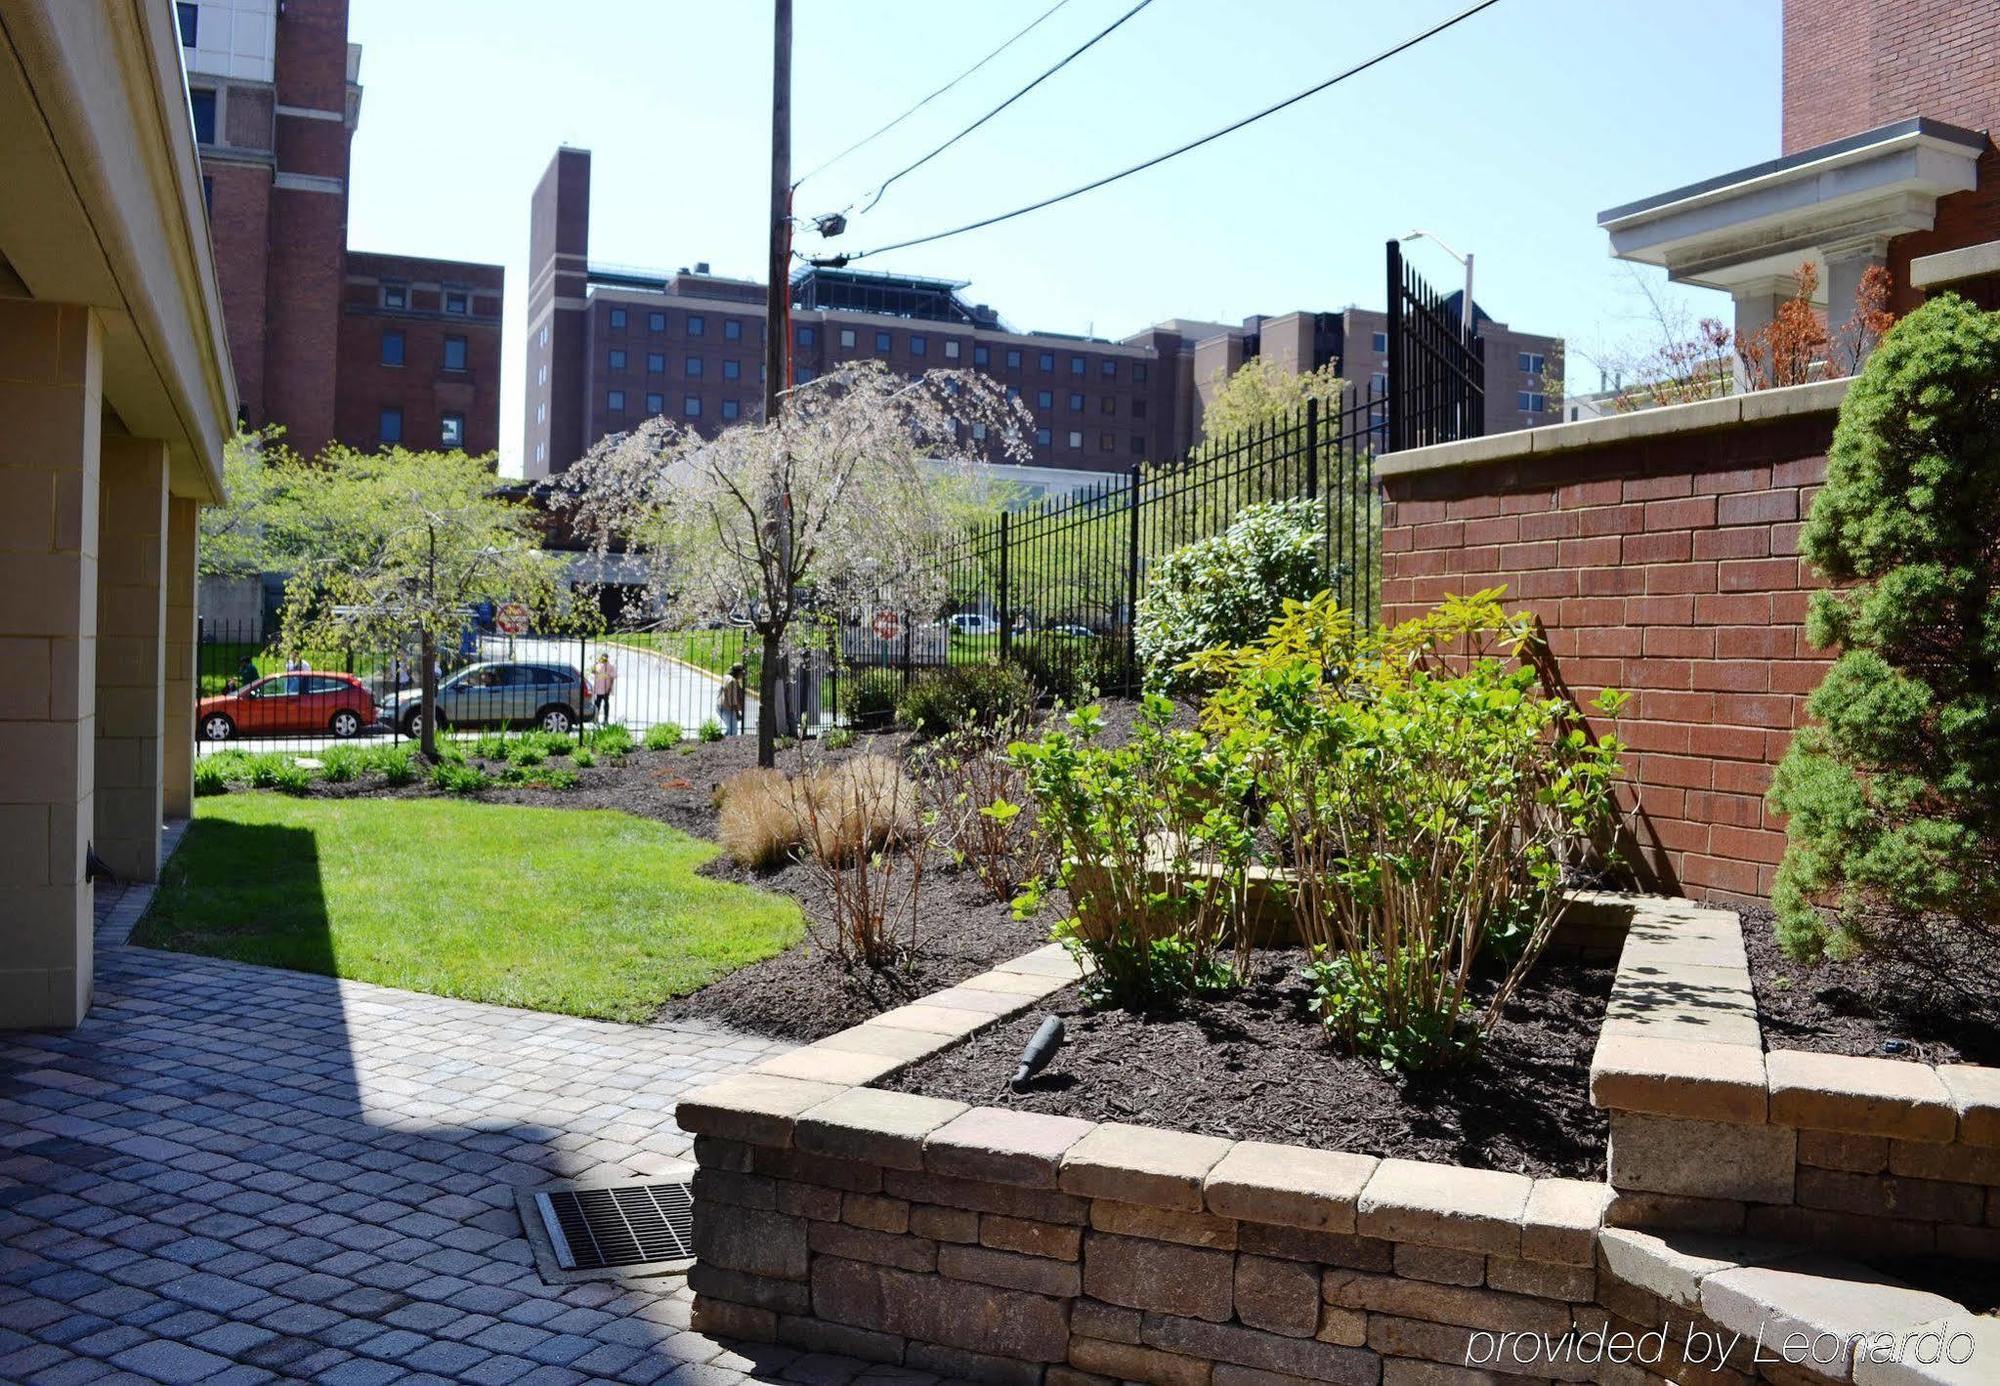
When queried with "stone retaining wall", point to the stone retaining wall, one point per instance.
{"points": [[1709, 1132]]}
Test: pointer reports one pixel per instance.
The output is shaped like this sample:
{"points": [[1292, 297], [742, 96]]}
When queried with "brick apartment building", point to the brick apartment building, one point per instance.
{"points": [[1888, 159], [608, 347], [333, 344]]}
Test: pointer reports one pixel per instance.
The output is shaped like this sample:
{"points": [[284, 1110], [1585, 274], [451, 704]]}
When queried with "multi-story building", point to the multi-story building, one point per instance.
{"points": [[275, 93], [608, 347]]}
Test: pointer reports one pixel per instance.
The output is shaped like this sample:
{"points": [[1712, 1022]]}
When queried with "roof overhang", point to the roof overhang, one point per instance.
{"points": [[1758, 223], [104, 208]]}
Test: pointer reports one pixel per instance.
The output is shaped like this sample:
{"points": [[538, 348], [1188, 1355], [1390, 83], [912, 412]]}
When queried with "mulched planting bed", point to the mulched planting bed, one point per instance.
{"points": [[1255, 1065], [1928, 1009]]}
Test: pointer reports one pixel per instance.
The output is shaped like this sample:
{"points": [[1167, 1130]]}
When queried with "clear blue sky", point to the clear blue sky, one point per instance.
{"points": [[1505, 136]]}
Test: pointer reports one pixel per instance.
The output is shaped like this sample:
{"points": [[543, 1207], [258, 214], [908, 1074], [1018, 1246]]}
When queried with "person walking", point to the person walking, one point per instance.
{"points": [[603, 678], [730, 701]]}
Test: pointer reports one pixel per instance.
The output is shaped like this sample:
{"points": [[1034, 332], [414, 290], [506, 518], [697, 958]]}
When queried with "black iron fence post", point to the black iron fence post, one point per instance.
{"points": [[1397, 362], [1132, 581], [1006, 594]]}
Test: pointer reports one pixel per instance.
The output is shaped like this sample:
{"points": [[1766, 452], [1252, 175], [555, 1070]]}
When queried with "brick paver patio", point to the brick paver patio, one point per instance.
{"points": [[238, 1174]]}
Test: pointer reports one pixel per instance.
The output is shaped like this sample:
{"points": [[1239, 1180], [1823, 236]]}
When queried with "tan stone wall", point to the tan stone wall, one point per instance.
{"points": [[131, 654], [177, 770]]}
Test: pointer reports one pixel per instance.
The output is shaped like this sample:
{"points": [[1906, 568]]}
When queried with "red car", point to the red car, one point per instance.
{"points": [[339, 704]]}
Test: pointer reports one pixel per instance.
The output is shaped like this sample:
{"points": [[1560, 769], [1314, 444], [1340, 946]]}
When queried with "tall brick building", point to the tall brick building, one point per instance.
{"points": [[1888, 159], [610, 346], [333, 344]]}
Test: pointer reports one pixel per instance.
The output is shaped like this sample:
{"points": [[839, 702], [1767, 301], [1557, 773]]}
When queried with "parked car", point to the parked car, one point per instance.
{"points": [[974, 623], [310, 702], [552, 697], [1074, 632]]}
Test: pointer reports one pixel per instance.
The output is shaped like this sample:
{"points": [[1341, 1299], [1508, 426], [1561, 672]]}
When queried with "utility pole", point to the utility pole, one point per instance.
{"points": [[778, 292]]}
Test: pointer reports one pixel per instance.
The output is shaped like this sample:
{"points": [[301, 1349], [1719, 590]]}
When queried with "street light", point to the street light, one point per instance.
{"points": [[1466, 314]]}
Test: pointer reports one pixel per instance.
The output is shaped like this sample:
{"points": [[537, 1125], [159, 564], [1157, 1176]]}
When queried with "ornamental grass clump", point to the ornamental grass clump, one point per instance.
{"points": [[1424, 795], [1893, 790]]}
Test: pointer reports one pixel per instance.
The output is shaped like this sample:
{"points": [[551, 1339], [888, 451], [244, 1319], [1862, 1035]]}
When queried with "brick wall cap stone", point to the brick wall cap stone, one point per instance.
{"points": [[1003, 1146], [1141, 1164], [884, 1128], [1672, 1265], [1975, 1092], [1679, 1077], [1866, 1096], [817, 1065], [1050, 960], [755, 1107], [951, 1023], [1818, 1296], [1263, 1182], [1561, 1221], [885, 1040], [1444, 1205], [1976, 1370]]}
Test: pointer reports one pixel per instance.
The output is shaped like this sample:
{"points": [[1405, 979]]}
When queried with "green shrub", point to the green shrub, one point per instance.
{"points": [[211, 775], [1226, 590], [965, 695], [454, 777], [489, 746], [611, 740], [662, 736], [556, 777], [526, 753], [838, 739], [1893, 791], [396, 764], [872, 700], [1070, 671], [274, 770], [343, 764], [583, 758], [711, 730]]}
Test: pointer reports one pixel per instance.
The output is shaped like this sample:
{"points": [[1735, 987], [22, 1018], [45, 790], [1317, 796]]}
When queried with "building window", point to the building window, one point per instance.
{"points": [[392, 346], [691, 406], [655, 405], [397, 296], [1138, 409], [694, 367], [454, 353], [979, 433], [847, 338], [806, 335], [1108, 369], [656, 362], [451, 431], [1013, 359], [656, 322], [1379, 341], [732, 370], [1138, 372], [1531, 363], [1107, 405], [696, 324], [189, 15], [1075, 402], [614, 400], [1138, 446], [390, 426], [457, 301], [1047, 361], [1076, 365], [202, 103], [919, 345], [1531, 401], [732, 329], [1379, 382], [1107, 442], [882, 343], [981, 356], [617, 317], [617, 359], [1075, 438], [731, 409], [1042, 437], [1013, 392], [951, 349], [1045, 399], [801, 376]]}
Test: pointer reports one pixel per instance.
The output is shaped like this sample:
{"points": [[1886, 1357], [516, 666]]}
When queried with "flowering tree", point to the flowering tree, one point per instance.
{"points": [[841, 492], [256, 532]]}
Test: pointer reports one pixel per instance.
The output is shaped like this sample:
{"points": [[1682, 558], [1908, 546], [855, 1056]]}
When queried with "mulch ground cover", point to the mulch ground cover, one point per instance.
{"points": [[1255, 1064], [1930, 1006]]}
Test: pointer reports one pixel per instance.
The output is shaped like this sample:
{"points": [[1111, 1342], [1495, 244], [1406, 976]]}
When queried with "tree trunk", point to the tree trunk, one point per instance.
{"points": [[427, 701], [767, 702]]}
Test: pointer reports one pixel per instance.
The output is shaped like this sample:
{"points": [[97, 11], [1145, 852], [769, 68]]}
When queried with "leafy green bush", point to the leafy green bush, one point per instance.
{"points": [[211, 775], [1893, 791], [343, 764], [396, 764], [872, 700], [711, 730], [611, 741], [838, 739], [1425, 807], [274, 770], [526, 753], [965, 695], [453, 777], [583, 758], [1227, 589], [1071, 671], [663, 736], [489, 745], [1154, 841]]}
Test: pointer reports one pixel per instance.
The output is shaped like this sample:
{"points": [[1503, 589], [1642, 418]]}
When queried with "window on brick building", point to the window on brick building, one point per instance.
{"points": [[847, 338], [919, 345], [951, 349], [1378, 382], [1013, 392], [392, 346], [1531, 401], [1138, 372], [614, 400], [202, 103], [694, 367], [656, 322], [882, 342], [656, 362], [617, 359], [981, 356], [1532, 363], [1045, 399], [1076, 366], [732, 329], [1013, 360], [1138, 445], [189, 15], [697, 324], [801, 375], [691, 406], [1138, 409], [1042, 437], [732, 370], [1379, 341], [451, 431], [1107, 405], [806, 335], [395, 296], [1107, 442], [979, 433], [655, 405], [1047, 361], [1075, 438], [1075, 402], [454, 353], [1108, 369], [389, 426], [731, 409], [457, 301], [617, 317]]}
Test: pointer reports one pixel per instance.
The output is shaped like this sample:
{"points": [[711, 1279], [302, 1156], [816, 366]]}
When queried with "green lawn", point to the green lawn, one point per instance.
{"points": [[585, 912]]}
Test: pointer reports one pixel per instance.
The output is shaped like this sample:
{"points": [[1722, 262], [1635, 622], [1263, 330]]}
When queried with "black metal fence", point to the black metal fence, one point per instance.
{"points": [[1437, 369]]}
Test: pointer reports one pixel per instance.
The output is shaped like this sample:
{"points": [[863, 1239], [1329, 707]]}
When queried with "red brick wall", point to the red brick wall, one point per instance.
{"points": [[421, 387], [1666, 568], [1851, 65]]}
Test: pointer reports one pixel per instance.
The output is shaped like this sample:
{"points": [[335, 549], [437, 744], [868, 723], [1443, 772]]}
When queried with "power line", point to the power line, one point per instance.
{"points": [[1175, 153], [1072, 56], [870, 138]]}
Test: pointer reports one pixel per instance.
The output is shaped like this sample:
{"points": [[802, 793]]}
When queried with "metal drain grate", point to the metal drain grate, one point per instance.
{"points": [[619, 1225]]}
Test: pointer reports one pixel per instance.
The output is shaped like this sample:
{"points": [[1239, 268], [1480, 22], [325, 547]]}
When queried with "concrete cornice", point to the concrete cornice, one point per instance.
{"points": [[1950, 266], [1703, 416]]}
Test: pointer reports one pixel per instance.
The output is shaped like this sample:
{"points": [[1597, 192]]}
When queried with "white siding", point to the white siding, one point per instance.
{"points": [[234, 38]]}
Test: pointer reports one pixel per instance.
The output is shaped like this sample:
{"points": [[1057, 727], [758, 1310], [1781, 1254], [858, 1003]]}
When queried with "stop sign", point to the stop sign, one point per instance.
{"points": [[888, 625]]}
